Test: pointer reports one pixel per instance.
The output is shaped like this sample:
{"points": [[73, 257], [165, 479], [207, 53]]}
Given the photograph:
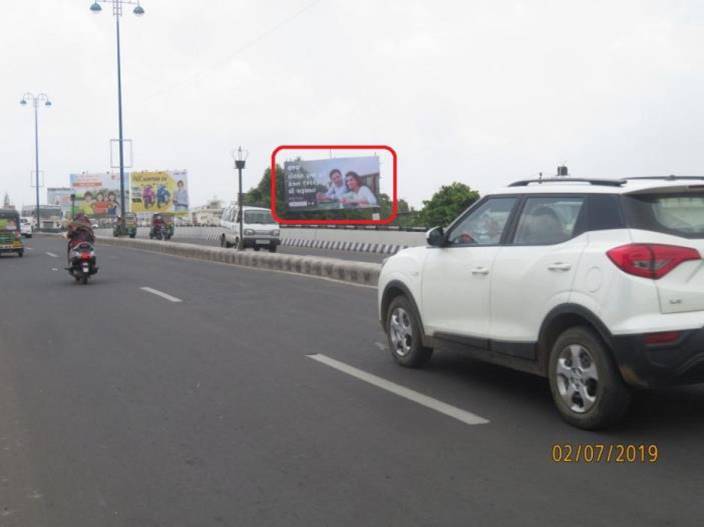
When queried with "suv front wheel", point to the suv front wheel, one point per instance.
{"points": [[404, 334], [585, 384]]}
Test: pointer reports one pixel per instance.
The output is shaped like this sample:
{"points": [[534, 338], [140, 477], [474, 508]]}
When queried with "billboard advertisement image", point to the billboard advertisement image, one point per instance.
{"points": [[97, 194], [60, 197], [337, 183], [159, 191]]}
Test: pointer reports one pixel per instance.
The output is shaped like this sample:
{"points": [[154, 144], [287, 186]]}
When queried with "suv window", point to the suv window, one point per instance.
{"points": [[548, 220], [680, 214], [483, 225]]}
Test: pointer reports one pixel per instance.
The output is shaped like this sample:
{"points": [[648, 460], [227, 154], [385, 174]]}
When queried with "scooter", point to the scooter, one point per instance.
{"points": [[82, 262]]}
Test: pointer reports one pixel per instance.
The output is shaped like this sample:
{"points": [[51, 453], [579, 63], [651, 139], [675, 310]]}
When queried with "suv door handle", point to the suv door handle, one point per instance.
{"points": [[480, 270], [559, 266]]}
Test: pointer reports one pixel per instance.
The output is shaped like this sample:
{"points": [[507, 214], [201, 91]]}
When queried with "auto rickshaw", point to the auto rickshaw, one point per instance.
{"points": [[10, 234], [169, 222], [126, 226]]}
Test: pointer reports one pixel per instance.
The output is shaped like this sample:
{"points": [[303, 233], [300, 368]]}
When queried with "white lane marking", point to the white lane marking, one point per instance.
{"points": [[52, 255], [382, 347], [161, 294], [444, 408], [29, 248], [54, 269]]}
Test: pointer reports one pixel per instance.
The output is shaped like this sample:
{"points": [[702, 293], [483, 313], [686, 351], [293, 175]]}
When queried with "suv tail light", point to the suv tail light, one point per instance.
{"points": [[650, 260], [664, 337]]}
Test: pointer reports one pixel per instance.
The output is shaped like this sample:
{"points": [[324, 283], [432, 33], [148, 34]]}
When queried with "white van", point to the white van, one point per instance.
{"points": [[259, 228], [26, 227]]}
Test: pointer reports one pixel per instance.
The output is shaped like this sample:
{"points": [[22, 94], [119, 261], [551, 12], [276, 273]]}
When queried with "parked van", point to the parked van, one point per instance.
{"points": [[259, 228]]}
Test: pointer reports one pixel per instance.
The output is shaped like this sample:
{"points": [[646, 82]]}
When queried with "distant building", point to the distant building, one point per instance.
{"points": [[208, 214]]}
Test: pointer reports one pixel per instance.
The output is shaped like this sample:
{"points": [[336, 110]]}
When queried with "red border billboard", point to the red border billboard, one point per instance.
{"points": [[382, 221]]}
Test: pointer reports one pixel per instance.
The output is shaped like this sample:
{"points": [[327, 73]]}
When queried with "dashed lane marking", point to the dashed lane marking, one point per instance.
{"points": [[161, 294], [439, 406]]}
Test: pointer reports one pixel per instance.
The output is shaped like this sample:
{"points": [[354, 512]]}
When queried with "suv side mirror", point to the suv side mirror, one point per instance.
{"points": [[435, 237]]}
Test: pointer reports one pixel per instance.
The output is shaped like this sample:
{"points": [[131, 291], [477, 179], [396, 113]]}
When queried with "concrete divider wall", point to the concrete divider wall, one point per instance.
{"points": [[385, 242], [348, 271]]}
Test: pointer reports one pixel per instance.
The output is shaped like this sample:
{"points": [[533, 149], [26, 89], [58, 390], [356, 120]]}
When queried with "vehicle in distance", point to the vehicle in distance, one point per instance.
{"points": [[259, 230], [51, 216], [10, 236], [26, 227], [596, 284]]}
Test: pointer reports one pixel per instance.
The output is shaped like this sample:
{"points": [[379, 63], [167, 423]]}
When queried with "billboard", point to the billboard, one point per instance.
{"points": [[159, 191], [60, 197], [97, 194], [336, 183]]}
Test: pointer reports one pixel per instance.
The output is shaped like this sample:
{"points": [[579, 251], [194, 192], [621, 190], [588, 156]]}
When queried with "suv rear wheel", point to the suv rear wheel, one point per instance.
{"points": [[404, 334], [585, 384]]}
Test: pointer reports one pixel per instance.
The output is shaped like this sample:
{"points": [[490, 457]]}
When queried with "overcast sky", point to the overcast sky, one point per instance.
{"points": [[484, 92]]}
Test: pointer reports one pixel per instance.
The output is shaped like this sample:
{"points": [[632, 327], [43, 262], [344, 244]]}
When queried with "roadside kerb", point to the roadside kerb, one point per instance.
{"points": [[366, 273]]}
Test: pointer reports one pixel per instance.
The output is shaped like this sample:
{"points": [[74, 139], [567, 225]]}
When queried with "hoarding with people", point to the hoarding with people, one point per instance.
{"points": [[97, 194], [336, 183], [159, 191]]}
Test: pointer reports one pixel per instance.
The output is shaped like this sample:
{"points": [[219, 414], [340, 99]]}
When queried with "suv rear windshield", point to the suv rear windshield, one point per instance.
{"points": [[258, 216], [677, 214]]}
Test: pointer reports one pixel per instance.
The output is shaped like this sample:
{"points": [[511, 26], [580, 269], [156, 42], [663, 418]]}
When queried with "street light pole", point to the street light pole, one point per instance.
{"points": [[117, 7], [240, 157], [36, 100], [119, 119]]}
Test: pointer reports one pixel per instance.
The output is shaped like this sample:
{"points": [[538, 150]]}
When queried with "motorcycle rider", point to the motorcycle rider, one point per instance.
{"points": [[158, 225], [78, 231]]}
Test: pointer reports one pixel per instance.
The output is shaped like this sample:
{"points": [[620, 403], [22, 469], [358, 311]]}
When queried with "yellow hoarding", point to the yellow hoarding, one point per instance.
{"points": [[159, 191]]}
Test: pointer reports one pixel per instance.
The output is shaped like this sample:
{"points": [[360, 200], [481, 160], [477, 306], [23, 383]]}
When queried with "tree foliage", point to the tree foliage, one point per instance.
{"points": [[446, 204]]}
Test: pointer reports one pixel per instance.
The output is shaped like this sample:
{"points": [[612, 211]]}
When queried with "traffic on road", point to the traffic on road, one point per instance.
{"points": [[183, 384], [312, 263]]}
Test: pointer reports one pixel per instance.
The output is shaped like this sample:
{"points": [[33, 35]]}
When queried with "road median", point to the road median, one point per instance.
{"points": [[365, 273]]}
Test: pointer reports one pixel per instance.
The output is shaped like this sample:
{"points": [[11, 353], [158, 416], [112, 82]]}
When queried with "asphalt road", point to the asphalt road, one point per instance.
{"points": [[120, 407]]}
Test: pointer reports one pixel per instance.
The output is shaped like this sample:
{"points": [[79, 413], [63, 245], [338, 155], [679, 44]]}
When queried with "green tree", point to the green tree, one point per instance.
{"points": [[446, 204]]}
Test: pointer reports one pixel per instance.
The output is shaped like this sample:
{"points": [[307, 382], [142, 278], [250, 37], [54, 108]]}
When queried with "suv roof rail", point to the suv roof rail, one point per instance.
{"points": [[671, 177], [604, 182]]}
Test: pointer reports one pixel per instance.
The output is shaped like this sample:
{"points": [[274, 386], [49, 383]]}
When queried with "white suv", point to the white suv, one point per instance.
{"points": [[596, 284]]}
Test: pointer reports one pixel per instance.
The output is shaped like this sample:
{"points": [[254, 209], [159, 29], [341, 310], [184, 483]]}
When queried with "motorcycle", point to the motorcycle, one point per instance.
{"points": [[159, 232], [82, 262]]}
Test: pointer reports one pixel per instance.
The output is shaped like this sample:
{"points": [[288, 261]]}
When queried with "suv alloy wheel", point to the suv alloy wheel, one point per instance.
{"points": [[586, 386], [404, 334]]}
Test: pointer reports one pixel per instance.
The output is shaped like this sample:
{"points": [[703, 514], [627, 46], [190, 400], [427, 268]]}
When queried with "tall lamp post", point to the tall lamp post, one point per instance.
{"points": [[240, 157], [36, 101], [117, 8]]}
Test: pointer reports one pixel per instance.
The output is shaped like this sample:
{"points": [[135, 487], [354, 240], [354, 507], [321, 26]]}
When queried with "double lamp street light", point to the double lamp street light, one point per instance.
{"points": [[117, 9], [36, 101]]}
